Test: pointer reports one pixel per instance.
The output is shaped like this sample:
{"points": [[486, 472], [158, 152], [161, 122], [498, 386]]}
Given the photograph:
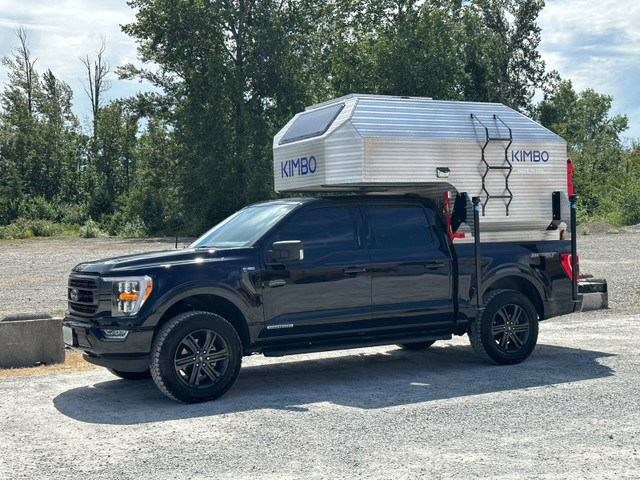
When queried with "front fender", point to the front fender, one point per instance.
{"points": [[249, 305]]}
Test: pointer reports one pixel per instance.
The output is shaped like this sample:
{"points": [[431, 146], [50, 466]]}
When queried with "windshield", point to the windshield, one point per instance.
{"points": [[243, 227]]}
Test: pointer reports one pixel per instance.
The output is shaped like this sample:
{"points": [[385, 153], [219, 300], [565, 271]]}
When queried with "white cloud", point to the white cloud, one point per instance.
{"points": [[62, 31], [596, 45]]}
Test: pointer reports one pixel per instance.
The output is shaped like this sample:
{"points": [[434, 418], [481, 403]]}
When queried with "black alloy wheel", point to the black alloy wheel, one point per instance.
{"points": [[510, 328], [201, 359], [196, 357], [507, 332]]}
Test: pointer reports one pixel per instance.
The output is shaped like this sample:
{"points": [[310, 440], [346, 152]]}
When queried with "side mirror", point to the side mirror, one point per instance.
{"points": [[286, 251]]}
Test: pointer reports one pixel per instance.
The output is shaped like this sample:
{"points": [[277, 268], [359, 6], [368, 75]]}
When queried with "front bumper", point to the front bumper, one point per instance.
{"points": [[130, 354]]}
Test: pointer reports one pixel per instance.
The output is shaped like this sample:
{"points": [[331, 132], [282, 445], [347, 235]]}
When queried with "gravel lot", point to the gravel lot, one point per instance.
{"points": [[571, 410], [33, 273]]}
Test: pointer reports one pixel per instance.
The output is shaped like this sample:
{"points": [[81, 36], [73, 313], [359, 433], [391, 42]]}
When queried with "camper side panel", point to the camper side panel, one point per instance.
{"points": [[539, 169]]}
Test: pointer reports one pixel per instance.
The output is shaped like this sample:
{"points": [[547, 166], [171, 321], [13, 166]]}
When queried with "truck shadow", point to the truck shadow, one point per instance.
{"points": [[359, 379]]}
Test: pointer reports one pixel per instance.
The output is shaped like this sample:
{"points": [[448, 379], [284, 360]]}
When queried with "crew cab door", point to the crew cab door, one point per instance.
{"points": [[328, 291], [411, 268]]}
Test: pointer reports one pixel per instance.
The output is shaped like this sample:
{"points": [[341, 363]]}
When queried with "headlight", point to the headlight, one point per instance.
{"points": [[129, 294]]}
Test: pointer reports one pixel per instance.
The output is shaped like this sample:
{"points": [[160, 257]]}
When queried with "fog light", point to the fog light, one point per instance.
{"points": [[114, 334]]}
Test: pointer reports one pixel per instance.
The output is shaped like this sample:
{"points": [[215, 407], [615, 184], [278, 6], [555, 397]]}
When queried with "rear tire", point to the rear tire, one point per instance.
{"points": [[196, 357], [507, 332]]}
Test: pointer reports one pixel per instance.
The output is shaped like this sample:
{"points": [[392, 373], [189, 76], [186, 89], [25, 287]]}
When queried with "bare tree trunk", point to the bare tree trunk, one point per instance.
{"points": [[24, 54], [97, 84]]}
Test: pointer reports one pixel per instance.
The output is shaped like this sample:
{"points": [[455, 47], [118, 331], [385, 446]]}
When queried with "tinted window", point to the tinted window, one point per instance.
{"points": [[401, 227], [323, 231], [312, 124], [243, 227]]}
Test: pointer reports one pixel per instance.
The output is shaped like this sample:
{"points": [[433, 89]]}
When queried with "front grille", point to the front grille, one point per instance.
{"points": [[80, 308], [84, 283], [82, 295]]}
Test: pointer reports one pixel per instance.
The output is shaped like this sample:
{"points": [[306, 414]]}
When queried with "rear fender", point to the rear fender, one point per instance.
{"points": [[521, 279]]}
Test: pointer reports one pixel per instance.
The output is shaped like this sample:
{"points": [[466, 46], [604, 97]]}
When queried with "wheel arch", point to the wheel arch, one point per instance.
{"points": [[519, 284], [210, 302]]}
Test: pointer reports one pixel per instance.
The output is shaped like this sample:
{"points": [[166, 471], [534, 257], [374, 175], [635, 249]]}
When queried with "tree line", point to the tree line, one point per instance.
{"points": [[228, 74]]}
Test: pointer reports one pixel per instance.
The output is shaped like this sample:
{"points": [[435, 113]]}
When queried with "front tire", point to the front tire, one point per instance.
{"points": [[196, 357], [507, 332]]}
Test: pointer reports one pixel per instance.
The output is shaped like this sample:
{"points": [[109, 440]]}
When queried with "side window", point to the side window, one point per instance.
{"points": [[323, 231], [401, 227]]}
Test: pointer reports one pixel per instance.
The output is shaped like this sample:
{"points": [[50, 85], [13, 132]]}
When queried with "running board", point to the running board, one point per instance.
{"points": [[349, 343]]}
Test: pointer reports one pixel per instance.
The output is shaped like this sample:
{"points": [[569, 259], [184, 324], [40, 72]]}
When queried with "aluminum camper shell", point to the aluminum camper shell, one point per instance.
{"points": [[369, 143]]}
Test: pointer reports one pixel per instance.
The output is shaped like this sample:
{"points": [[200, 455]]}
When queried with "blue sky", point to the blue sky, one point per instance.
{"points": [[594, 44]]}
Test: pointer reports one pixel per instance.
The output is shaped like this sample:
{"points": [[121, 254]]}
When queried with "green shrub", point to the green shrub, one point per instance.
{"points": [[134, 228], [39, 209], [72, 214], [91, 229], [26, 228], [122, 224]]}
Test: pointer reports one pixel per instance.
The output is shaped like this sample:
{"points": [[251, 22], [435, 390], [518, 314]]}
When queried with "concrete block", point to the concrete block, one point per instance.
{"points": [[595, 293], [24, 343], [595, 301]]}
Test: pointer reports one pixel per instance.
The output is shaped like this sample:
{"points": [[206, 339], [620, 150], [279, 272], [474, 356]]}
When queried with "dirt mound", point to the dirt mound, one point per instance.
{"points": [[596, 228]]}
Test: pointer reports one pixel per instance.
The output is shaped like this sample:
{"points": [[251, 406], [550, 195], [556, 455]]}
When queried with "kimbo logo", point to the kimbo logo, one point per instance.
{"points": [[529, 156], [299, 167]]}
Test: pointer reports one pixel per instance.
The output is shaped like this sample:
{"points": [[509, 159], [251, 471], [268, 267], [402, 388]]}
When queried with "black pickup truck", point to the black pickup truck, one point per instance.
{"points": [[310, 274]]}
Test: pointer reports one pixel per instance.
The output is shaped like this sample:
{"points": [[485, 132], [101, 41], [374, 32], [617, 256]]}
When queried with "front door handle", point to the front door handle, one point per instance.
{"points": [[433, 265], [276, 283], [353, 270]]}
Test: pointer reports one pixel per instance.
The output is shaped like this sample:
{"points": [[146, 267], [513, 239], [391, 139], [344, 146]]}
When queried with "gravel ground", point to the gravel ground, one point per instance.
{"points": [[570, 411], [33, 273]]}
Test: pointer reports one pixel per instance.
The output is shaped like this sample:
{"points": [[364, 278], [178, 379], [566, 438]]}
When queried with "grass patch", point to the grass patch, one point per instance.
{"points": [[73, 362]]}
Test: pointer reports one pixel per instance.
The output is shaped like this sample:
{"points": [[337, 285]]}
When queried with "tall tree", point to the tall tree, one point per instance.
{"points": [[18, 151], [155, 197], [593, 136], [59, 131], [40, 139], [235, 73], [22, 74], [96, 76], [113, 166], [503, 63]]}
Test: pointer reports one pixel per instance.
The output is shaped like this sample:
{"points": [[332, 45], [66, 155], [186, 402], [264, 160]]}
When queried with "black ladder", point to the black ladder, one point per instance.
{"points": [[508, 167]]}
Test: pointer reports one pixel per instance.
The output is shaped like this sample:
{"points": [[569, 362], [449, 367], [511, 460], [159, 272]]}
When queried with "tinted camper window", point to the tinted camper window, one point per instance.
{"points": [[312, 124]]}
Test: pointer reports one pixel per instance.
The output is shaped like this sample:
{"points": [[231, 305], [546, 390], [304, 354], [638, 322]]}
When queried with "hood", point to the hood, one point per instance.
{"points": [[149, 260]]}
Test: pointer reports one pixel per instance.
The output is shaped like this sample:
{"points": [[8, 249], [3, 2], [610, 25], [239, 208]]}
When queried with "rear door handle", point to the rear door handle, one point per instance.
{"points": [[354, 270]]}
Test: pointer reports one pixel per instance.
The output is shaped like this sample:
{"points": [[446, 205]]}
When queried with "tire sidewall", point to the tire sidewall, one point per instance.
{"points": [[494, 305], [168, 340]]}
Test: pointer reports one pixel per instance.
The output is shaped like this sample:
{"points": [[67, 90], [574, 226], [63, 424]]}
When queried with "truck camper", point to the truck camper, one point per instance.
{"points": [[441, 219], [381, 144]]}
